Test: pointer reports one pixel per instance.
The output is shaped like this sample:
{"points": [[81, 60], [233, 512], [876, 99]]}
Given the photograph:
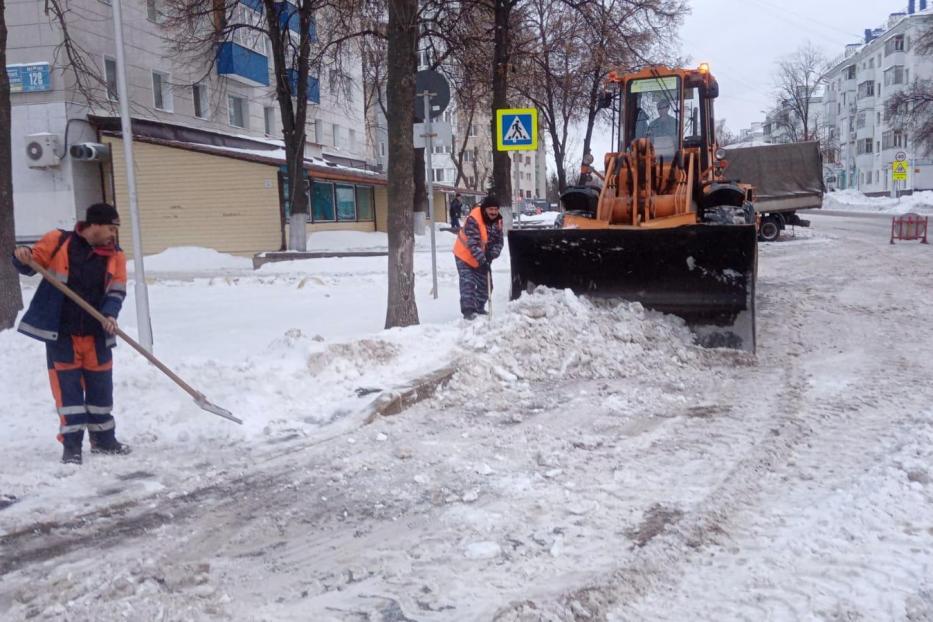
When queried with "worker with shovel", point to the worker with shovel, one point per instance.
{"points": [[77, 345], [478, 243]]}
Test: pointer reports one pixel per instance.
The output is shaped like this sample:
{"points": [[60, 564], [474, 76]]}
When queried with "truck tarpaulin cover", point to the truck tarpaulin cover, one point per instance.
{"points": [[778, 171]]}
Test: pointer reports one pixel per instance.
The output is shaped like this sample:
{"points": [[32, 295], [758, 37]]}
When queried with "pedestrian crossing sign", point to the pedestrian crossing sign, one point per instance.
{"points": [[517, 129], [899, 170]]}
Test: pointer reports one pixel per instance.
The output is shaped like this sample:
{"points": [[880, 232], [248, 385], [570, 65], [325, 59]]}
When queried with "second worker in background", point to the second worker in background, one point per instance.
{"points": [[478, 243]]}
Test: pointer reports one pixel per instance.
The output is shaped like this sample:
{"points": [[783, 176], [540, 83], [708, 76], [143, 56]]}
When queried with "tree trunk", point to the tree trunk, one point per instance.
{"points": [[400, 86], [11, 297], [501, 163], [293, 115]]}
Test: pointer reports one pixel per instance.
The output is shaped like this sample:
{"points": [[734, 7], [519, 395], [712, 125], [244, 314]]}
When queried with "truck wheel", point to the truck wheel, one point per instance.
{"points": [[770, 230]]}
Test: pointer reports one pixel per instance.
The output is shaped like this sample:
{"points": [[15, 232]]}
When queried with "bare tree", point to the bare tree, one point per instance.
{"points": [[912, 108], [622, 35], [798, 78], [401, 64], [11, 297]]}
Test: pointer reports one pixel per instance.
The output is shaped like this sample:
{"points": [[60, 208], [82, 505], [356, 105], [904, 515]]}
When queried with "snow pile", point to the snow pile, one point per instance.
{"points": [[553, 334], [193, 259], [855, 201]]}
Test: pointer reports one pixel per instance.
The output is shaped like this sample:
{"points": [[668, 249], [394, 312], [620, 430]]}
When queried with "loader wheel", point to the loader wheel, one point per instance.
{"points": [[770, 230]]}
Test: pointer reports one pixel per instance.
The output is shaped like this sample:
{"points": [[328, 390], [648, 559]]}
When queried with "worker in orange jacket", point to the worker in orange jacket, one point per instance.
{"points": [[80, 362], [478, 243]]}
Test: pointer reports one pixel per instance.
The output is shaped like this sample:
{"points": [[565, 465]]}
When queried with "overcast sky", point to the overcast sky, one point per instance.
{"points": [[742, 39]]}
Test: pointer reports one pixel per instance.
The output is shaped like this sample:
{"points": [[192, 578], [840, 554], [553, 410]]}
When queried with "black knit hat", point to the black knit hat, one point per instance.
{"points": [[490, 201], [102, 214]]}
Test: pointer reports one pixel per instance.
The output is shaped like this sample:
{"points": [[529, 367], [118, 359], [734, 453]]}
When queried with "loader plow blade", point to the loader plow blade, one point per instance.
{"points": [[702, 273]]}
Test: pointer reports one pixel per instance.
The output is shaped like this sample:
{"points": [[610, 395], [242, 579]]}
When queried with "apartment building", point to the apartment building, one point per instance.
{"points": [[209, 161], [862, 140]]}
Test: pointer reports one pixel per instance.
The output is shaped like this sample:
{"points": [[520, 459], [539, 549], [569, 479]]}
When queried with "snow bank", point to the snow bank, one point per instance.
{"points": [[193, 259], [337, 241], [855, 201]]}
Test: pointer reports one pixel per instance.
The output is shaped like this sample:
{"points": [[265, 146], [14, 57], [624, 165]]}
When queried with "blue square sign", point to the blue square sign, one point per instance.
{"points": [[517, 129]]}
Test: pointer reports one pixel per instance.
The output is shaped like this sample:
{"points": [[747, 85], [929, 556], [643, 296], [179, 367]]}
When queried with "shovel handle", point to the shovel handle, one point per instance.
{"points": [[97, 315]]}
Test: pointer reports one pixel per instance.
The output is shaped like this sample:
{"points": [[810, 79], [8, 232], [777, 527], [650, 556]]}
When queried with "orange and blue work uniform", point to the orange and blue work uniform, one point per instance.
{"points": [[477, 244], [78, 351]]}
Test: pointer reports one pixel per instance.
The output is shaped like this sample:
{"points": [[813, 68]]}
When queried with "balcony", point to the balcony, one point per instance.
{"points": [[242, 64], [314, 86]]}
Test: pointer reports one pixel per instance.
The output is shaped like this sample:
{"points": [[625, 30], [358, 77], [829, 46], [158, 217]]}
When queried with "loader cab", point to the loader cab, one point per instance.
{"points": [[673, 110]]}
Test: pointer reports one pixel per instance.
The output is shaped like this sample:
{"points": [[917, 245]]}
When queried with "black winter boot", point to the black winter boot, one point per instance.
{"points": [[71, 442], [107, 443]]}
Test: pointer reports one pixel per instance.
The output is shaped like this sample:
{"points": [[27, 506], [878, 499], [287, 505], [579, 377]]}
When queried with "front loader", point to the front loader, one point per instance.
{"points": [[662, 227]]}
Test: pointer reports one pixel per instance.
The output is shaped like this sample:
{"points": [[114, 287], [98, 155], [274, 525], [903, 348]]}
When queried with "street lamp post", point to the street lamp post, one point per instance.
{"points": [[142, 295]]}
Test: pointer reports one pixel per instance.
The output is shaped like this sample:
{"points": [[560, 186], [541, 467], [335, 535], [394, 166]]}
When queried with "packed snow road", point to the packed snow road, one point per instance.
{"points": [[585, 462]]}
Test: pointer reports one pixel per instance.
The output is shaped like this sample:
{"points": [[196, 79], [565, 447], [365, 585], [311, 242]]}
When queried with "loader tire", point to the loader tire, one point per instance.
{"points": [[770, 229]]}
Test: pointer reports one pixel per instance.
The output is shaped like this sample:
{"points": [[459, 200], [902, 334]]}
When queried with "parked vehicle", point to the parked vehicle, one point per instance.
{"points": [[787, 178]]}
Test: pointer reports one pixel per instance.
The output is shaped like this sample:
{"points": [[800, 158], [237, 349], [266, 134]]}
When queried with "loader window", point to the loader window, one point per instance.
{"points": [[654, 113], [693, 126]]}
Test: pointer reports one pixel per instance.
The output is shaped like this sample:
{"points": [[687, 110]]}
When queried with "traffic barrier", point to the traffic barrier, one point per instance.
{"points": [[909, 227]]}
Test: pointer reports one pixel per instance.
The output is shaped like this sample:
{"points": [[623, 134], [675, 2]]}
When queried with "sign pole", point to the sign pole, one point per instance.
{"points": [[429, 181], [144, 328]]}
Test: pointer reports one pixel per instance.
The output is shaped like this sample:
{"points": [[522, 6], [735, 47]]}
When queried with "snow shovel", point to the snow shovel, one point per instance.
{"points": [[199, 398]]}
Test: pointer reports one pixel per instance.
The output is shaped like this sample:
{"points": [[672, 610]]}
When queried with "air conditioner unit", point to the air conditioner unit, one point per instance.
{"points": [[41, 150]]}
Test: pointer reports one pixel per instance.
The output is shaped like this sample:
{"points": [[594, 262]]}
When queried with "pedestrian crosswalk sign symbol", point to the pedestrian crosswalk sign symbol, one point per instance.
{"points": [[899, 170], [517, 129]]}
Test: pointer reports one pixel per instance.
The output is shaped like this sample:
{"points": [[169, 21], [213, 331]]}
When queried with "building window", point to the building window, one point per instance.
{"points": [[382, 148], [894, 44], [850, 72], [199, 95], [237, 111], [110, 71], [860, 122], [322, 202], [894, 75], [352, 137], [346, 202], [865, 145], [162, 91], [438, 174], [472, 132], [364, 203], [268, 120], [338, 140], [866, 89]]}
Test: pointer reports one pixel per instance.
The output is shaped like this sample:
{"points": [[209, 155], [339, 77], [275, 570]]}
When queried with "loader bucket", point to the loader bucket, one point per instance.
{"points": [[702, 273]]}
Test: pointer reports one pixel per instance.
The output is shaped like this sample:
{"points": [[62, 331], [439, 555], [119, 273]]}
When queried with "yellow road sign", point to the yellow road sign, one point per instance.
{"points": [[517, 129], [899, 170]]}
